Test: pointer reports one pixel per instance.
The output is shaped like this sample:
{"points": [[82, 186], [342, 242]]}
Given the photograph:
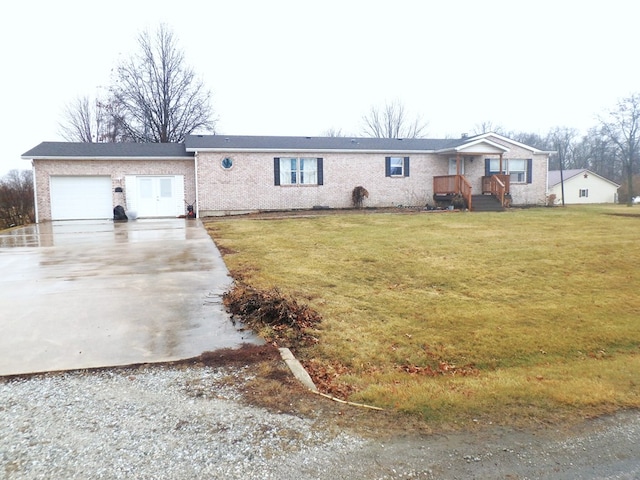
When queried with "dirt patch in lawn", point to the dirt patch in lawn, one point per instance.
{"points": [[268, 383], [633, 215]]}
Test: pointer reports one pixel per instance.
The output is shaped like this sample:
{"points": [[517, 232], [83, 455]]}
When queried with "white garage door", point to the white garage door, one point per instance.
{"points": [[79, 198]]}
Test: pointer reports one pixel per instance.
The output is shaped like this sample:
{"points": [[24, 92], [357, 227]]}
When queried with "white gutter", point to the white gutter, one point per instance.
{"points": [[301, 150], [76, 157]]}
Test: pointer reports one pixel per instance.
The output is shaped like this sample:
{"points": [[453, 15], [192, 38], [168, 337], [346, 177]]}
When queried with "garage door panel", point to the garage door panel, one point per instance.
{"points": [[81, 197]]}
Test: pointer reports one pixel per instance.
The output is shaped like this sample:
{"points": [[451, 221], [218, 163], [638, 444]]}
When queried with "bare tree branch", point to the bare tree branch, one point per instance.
{"points": [[622, 127], [487, 127], [16, 198], [392, 122], [333, 132], [79, 121], [159, 98]]}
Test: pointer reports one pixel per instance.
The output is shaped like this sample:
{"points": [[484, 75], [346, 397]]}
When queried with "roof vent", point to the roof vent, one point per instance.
{"points": [[226, 139], [308, 138], [464, 135]]}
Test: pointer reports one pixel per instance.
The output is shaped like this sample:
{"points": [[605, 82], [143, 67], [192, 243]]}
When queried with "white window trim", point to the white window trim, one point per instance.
{"points": [[507, 169], [392, 166], [287, 173]]}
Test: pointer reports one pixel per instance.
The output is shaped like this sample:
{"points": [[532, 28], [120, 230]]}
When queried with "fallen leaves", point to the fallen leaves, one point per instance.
{"points": [[327, 377], [442, 369]]}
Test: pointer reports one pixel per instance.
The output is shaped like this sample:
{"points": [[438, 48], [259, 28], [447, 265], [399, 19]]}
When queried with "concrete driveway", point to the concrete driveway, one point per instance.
{"points": [[84, 294]]}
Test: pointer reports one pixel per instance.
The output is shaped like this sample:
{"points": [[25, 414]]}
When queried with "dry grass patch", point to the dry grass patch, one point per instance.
{"points": [[456, 316]]}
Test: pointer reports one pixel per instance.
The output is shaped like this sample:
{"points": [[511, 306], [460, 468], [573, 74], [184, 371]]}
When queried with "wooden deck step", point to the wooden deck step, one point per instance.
{"points": [[485, 203]]}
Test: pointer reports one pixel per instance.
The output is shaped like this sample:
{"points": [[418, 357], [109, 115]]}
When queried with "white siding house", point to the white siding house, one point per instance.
{"points": [[582, 186]]}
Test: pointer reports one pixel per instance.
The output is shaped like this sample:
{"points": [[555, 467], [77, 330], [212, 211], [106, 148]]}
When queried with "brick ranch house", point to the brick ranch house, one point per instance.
{"points": [[224, 174]]}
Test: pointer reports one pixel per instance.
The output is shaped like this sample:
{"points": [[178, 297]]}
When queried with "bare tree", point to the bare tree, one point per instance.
{"points": [[79, 122], [333, 132], [531, 139], [158, 97], [86, 120], [622, 127], [486, 127], [16, 198], [597, 153], [562, 140], [392, 121]]}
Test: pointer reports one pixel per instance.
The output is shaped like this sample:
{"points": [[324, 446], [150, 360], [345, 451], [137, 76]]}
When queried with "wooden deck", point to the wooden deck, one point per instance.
{"points": [[447, 185]]}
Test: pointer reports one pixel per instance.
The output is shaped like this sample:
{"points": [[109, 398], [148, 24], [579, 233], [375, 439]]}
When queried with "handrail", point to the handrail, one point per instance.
{"points": [[498, 188], [465, 190]]}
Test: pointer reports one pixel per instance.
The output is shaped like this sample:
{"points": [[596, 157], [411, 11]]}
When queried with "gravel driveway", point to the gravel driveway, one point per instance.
{"points": [[186, 422]]}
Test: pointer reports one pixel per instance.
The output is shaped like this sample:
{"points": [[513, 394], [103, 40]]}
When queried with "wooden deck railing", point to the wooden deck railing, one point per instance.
{"points": [[497, 185], [465, 190], [445, 185], [453, 185]]}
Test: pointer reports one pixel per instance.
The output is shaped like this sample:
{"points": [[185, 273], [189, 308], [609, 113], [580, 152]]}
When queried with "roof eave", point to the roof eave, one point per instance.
{"points": [[519, 144], [105, 157], [303, 150]]}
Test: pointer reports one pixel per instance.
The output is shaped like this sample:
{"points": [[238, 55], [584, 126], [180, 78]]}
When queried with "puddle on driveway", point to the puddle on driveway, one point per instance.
{"points": [[82, 295]]}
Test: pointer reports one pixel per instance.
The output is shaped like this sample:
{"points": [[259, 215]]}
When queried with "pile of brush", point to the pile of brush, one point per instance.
{"points": [[281, 321]]}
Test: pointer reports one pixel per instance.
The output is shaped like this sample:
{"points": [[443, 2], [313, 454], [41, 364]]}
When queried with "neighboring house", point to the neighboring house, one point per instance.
{"points": [[224, 174], [582, 186]]}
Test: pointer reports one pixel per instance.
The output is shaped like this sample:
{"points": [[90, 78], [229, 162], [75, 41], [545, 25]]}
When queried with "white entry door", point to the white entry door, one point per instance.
{"points": [[453, 170], [156, 196]]}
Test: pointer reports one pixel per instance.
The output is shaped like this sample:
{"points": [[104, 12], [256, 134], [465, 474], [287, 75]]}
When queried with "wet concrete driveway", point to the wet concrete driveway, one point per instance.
{"points": [[83, 294]]}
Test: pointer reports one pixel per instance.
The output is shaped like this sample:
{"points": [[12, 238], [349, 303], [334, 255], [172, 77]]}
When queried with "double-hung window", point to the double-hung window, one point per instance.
{"points": [[519, 169], [297, 171], [397, 166], [494, 166], [583, 193]]}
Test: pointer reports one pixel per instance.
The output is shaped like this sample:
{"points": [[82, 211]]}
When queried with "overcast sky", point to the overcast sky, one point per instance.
{"points": [[281, 67]]}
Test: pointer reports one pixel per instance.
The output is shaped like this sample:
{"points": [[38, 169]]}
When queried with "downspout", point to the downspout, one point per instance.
{"points": [[562, 180], [35, 192], [195, 166]]}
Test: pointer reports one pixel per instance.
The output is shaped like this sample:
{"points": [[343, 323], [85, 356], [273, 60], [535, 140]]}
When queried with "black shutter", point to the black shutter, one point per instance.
{"points": [[529, 170], [487, 167], [387, 166], [406, 166], [320, 172], [276, 171]]}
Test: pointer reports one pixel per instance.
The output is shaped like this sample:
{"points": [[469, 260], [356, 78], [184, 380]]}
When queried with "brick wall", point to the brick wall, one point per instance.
{"points": [[116, 169], [249, 184]]}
